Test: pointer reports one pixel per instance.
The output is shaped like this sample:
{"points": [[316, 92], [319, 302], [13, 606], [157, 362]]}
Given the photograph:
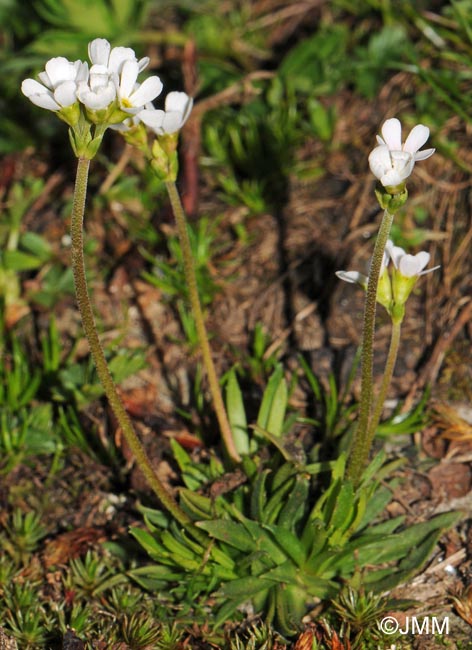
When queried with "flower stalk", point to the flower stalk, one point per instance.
{"points": [[386, 380], [360, 444], [88, 321], [391, 162], [189, 268]]}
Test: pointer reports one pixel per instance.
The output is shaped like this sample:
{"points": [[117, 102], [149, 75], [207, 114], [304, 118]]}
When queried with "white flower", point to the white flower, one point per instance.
{"points": [[101, 53], [407, 270], [100, 90], [60, 80], [133, 96], [114, 75], [392, 162], [354, 277], [409, 266], [384, 288], [178, 106]]}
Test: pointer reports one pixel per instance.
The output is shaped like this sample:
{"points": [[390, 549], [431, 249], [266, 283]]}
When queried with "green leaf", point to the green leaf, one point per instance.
{"points": [[245, 588], [170, 541], [278, 496], [237, 413], [264, 541], [415, 558], [19, 261], [126, 363], [231, 533], [314, 538], [290, 606], [259, 495], [36, 245], [342, 507], [155, 519], [196, 505], [285, 573], [289, 543], [149, 543], [402, 543], [318, 63], [192, 475], [375, 505], [227, 610], [155, 577], [295, 504], [274, 404]]}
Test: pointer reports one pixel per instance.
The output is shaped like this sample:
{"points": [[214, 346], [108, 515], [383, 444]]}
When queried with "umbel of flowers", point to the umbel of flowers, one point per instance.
{"points": [[106, 93], [91, 98]]}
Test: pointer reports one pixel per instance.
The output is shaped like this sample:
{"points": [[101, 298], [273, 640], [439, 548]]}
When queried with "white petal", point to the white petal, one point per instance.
{"points": [[411, 265], [118, 56], [81, 71], [408, 266], [45, 101], [59, 70], [396, 253], [146, 92], [99, 51], [179, 101], [176, 101], [353, 277], [418, 136], [129, 74], [44, 78], [32, 87], [154, 118], [392, 134], [66, 93], [380, 161], [422, 155], [96, 100], [435, 268], [403, 163], [385, 260], [172, 121], [422, 260], [39, 95], [392, 179], [143, 63]]}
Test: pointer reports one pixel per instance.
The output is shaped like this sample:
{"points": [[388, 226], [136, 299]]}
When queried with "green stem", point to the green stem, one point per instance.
{"points": [[386, 380], [191, 278], [88, 321], [360, 445]]}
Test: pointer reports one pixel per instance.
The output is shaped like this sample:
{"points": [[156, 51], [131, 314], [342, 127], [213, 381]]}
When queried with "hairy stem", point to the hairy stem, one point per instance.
{"points": [[88, 321], [360, 444], [191, 278], [386, 380]]}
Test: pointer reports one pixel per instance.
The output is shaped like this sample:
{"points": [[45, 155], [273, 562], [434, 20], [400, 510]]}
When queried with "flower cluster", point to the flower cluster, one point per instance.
{"points": [[394, 288], [392, 162], [106, 93]]}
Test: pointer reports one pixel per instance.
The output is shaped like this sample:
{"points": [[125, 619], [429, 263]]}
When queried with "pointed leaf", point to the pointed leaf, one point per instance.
{"points": [[289, 543], [274, 403], [237, 413], [231, 533]]}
